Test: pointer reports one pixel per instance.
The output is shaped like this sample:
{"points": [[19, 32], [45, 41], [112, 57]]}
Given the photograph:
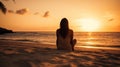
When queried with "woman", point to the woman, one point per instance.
{"points": [[65, 37]]}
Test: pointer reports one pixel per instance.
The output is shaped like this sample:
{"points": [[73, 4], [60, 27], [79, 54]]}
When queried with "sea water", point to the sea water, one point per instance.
{"points": [[95, 39]]}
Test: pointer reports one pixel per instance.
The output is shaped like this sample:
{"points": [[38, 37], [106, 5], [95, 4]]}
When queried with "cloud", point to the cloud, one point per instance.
{"points": [[36, 13], [109, 16], [112, 19], [46, 14], [22, 11], [11, 11], [14, 1]]}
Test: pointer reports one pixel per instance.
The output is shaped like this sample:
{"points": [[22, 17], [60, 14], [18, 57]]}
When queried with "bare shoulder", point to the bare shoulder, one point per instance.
{"points": [[57, 30], [71, 31]]}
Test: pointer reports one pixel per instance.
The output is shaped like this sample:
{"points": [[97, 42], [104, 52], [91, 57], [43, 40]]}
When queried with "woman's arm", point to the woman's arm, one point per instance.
{"points": [[72, 43], [71, 36]]}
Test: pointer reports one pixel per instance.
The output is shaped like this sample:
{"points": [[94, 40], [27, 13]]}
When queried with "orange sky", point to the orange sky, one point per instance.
{"points": [[45, 15]]}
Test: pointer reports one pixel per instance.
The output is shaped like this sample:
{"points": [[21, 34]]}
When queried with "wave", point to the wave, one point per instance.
{"points": [[22, 40], [113, 48]]}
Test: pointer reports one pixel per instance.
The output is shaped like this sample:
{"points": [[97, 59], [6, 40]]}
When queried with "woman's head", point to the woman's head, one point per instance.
{"points": [[64, 24], [64, 27]]}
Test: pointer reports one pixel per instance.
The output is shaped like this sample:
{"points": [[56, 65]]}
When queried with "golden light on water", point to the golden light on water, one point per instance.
{"points": [[90, 43]]}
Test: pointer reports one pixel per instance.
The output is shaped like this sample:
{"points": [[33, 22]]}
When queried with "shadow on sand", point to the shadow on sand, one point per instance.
{"points": [[30, 56]]}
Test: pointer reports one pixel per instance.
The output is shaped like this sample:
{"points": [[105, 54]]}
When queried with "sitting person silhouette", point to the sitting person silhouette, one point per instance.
{"points": [[64, 35]]}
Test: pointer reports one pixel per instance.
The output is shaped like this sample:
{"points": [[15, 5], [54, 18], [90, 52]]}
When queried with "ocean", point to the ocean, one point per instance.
{"points": [[94, 39]]}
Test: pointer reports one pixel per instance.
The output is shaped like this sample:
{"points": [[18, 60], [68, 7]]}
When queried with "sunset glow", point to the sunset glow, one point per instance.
{"points": [[88, 24], [45, 15]]}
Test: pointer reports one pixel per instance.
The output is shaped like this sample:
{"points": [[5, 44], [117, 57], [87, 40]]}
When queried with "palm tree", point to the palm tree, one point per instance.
{"points": [[3, 8]]}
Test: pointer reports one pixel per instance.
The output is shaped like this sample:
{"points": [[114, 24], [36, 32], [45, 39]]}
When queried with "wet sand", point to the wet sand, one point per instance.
{"points": [[18, 54]]}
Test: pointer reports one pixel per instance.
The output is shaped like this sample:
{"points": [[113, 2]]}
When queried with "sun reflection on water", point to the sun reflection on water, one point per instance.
{"points": [[89, 43]]}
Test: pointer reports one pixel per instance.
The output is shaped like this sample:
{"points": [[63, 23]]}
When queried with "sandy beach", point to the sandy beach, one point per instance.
{"points": [[18, 54]]}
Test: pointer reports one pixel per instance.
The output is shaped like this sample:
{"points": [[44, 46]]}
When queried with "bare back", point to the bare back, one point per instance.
{"points": [[64, 43]]}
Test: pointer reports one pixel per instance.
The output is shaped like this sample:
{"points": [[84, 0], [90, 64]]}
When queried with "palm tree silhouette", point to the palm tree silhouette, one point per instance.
{"points": [[3, 8]]}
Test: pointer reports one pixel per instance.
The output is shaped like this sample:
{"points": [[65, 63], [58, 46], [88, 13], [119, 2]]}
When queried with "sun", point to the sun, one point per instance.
{"points": [[89, 24]]}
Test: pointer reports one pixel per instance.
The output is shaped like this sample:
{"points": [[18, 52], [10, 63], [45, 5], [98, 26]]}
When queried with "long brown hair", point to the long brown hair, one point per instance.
{"points": [[64, 27]]}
